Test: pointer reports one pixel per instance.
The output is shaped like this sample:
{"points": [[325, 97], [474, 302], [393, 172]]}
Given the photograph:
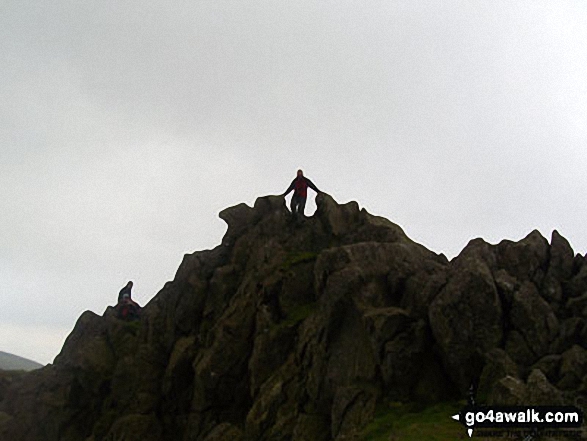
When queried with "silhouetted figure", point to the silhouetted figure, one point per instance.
{"points": [[127, 309], [126, 290], [300, 187]]}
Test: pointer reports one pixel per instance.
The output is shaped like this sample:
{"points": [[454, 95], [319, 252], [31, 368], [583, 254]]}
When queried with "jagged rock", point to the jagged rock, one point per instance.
{"points": [[578, 262], [374, 274], [466, 320], [509, 391], [518, 350], [539, 391], [582, 393], [313, 427], [534, 319], [573, 367], [421, 288], [179, 374], [272, 407], [238, 219], [242, 217], [296, 329], [433, 384], [498, 365], [577, 306], [560, 266], [339, 219], [577, 285], [219, 368], [527, 259], [271, 349], [549, 366], [552, 291], [352, 408], [401, 364], [4, 418], [9, 379], [136, 427], [87, 347], [570, 333], [476, 250], [225, 432], [506, 285], [384, 324]]}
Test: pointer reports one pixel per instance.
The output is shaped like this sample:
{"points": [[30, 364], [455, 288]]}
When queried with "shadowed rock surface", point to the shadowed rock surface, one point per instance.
{"points": [[299, 330]]}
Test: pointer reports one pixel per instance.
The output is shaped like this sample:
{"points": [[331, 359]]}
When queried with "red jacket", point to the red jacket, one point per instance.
{"points": [[300, 186]]}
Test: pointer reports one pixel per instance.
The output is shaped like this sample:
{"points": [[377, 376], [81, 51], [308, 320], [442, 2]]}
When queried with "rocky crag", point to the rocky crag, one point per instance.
{"points": [[300, 330]]}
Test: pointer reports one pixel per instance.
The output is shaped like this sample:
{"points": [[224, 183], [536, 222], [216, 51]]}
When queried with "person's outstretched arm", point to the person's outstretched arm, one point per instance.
{"points": [[312, 186], [290, 188]]}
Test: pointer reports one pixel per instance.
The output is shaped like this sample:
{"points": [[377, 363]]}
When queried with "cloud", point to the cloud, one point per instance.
{"points": [[37, 343]]}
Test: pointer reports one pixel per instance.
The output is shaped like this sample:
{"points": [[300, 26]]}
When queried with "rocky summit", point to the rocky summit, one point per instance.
{"points": [[301, 329]]}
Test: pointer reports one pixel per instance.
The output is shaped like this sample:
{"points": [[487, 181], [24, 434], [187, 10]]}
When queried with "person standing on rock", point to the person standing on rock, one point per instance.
{"points": [[300, 187], [126, 290]]}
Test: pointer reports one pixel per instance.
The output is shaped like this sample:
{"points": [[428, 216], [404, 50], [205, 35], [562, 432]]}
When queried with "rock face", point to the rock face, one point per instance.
{"points": [[298, 330]]}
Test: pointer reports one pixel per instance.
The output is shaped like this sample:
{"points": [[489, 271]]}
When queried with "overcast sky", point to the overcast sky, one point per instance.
{"points": [[125, 127]]}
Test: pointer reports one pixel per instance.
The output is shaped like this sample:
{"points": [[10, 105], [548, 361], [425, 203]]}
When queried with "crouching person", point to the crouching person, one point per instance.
{"points": [[127, 309]]}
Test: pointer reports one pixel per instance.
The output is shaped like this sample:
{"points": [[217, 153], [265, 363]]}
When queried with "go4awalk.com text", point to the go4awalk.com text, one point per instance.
{"points": [[538, 418]]}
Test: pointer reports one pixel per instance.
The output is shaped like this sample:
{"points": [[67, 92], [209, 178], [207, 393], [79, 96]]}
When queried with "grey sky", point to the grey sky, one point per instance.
{"points": [[125, 127]]}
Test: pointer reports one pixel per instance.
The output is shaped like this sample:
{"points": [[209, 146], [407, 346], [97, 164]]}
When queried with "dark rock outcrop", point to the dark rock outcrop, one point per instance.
{"points": [[298, 330]]}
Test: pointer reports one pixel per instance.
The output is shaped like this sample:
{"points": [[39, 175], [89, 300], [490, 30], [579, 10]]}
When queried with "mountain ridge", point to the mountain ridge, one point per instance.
{"points": [[15, 362], [299, 330]]}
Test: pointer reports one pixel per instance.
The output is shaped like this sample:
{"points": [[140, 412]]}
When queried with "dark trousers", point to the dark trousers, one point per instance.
{"points": [[298, 204]]}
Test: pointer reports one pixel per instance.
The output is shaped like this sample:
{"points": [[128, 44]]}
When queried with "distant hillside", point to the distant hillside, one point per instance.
{"points": [[10, 362]]}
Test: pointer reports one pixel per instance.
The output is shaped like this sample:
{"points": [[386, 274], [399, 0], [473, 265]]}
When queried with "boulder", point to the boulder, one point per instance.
{"points": [[466, 321], [549, 366], [560, 268], [552, 290], [577, 285], [573, 368], [506, 285], [384, 324], [401, 363], [225, 432], [560, 265], [534, 319], [136, 428], [519, 351], [571, 331], [238, 218], [353, 407], [421, 288], [314, 427], [338, 219], [87, 347], [577, 306], [539, 391], [527, 259], [509, 391], [498, 365]]}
